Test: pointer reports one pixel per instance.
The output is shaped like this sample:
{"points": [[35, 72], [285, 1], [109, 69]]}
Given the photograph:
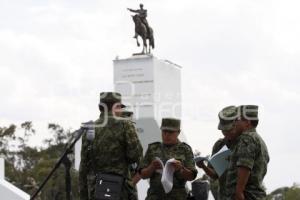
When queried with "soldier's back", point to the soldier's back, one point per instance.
{"points": [[109, 146]]}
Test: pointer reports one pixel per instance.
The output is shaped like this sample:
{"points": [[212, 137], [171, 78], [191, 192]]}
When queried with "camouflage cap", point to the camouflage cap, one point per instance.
{"points": [[111, 97], [170, 124], [249, 112], [227, 117]]}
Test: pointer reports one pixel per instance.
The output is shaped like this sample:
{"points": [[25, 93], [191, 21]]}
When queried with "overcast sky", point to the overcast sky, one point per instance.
{"points": [[56, 56]]}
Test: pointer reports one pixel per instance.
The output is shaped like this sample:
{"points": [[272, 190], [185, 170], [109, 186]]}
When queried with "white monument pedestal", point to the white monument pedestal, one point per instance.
{"points": [[7, 190], [151, 88]]}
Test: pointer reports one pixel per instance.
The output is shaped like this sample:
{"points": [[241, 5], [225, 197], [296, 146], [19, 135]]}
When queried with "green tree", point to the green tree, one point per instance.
{"points": [[27, 167], [292, 194], [285, 193], [6, 134]]}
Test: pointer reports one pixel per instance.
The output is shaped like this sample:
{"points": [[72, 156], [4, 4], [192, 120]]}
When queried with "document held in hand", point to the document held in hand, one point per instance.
{"points": [[167, 172], [219, 160]]}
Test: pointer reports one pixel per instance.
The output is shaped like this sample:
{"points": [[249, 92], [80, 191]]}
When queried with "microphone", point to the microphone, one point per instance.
{"points": [[90, 135], [89, 127]]}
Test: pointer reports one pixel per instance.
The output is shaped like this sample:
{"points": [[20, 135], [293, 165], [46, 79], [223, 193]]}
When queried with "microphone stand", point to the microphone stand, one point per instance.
{"points": [[67, 163], [62, 159]]}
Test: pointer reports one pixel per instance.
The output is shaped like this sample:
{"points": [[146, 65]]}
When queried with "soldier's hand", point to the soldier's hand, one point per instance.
{"points": [[177, 165], [155, 164], [201, 164]]}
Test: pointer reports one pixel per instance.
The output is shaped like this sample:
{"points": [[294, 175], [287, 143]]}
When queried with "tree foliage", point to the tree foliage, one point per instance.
{"points": [[285, 193], [6, 134], [26, 166]]}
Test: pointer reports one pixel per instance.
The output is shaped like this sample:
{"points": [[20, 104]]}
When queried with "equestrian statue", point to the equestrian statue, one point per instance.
{"points": [[142, 29]]}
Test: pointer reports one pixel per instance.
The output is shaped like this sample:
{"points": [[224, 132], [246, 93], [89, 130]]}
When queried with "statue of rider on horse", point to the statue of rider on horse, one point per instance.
{"points": [[142, 29]]}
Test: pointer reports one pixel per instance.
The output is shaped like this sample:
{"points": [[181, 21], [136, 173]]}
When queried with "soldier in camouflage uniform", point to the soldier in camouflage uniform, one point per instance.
{"points": [[128, 115], [249, 159], [113, 149], [184, 165], [227, 117]]}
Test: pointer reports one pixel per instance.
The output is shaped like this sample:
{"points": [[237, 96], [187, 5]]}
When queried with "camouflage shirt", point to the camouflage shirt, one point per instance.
{"points": [[250, 151], [218, 187], [113, 149], [180, 151]]}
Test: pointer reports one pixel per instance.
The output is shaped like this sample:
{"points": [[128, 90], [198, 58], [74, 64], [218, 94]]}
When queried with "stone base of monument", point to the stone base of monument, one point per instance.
{"points": [[151, 88]]}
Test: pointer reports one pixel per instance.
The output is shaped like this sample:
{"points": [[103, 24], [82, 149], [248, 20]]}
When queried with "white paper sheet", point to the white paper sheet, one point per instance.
{"points": [[167, 176]]}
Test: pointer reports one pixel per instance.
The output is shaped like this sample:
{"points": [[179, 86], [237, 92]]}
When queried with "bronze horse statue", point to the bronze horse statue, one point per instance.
{"points": [[144, 33]]}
